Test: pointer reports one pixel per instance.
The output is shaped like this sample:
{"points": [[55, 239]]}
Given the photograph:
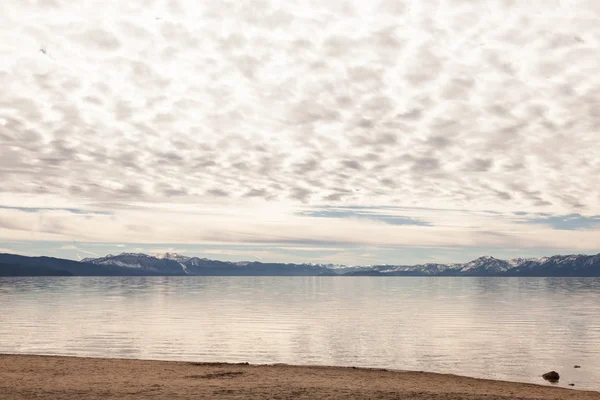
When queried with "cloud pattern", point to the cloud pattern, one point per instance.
{"points": [[156, 107]]}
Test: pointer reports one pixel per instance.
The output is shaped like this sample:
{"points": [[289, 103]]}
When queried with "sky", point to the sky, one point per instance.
{"points": [[352, 132]]}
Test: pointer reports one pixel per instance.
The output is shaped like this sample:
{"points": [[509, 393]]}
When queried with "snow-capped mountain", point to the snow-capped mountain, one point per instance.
{"points": [[176, 264], [140, 261], [569, 265], [485, 264], [172, 256]]}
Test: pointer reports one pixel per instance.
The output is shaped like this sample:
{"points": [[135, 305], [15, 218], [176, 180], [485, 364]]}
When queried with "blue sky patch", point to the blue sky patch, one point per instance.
{"points": [[569, 222], [386, 218], [40, 209]]}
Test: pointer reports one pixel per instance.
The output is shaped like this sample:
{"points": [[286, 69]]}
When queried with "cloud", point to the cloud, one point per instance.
{"points": [[99, 39], [287, 105]]}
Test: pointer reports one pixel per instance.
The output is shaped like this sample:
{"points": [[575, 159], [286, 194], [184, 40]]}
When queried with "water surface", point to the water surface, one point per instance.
{"points": [[499, 328]]}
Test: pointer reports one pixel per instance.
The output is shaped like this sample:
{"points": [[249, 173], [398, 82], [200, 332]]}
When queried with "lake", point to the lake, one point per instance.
{"points": [[501, 328]]}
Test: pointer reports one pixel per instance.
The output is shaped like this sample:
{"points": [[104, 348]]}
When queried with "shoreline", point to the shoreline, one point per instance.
{"points": [[71, 377]]}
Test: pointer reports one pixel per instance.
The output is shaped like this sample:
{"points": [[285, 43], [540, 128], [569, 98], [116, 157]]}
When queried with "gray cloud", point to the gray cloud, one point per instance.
{"points": [[99, 39], [258, 193], [300, 194], [425, 164], [352, 164], [480, 165], [218, 193], [438, 142]]}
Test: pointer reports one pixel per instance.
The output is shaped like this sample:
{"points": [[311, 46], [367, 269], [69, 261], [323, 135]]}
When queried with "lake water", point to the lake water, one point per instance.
{"points": [[501, 328]]}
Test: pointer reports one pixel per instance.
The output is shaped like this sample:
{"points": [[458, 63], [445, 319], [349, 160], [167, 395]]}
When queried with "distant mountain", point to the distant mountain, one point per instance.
{"points": [[132, 264], [173, 256], [16, 265], [175, 264], [139, 262], [570, 265], [7, 269]]}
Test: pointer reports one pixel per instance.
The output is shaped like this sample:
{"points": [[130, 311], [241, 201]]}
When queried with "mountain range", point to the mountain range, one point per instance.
{"points": [[139, 264]]}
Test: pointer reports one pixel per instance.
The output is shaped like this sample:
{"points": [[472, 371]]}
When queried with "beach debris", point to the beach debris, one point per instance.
{"points": [[217, 375], [551, 376], [571, 384], [577, 366]]}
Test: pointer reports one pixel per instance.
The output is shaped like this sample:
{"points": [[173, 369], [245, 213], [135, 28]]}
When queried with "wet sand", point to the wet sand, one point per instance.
{"points": [[58, 378]]}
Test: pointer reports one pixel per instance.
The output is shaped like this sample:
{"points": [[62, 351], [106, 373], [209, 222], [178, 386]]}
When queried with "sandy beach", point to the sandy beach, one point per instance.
{"points": [[43, 377]]}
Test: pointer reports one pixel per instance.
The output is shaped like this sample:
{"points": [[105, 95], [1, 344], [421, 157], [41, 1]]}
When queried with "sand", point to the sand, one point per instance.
{"points": [[57, 378]]}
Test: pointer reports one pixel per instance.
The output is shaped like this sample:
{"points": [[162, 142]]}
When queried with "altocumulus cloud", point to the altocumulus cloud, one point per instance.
{"points": [[237, 121]]}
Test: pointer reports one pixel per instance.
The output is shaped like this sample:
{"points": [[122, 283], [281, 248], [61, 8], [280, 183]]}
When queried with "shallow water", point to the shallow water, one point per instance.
{"points": [[501, 328]]}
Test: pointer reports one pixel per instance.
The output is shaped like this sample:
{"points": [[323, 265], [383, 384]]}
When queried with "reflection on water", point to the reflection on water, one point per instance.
{"points": [[501, 328]]}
